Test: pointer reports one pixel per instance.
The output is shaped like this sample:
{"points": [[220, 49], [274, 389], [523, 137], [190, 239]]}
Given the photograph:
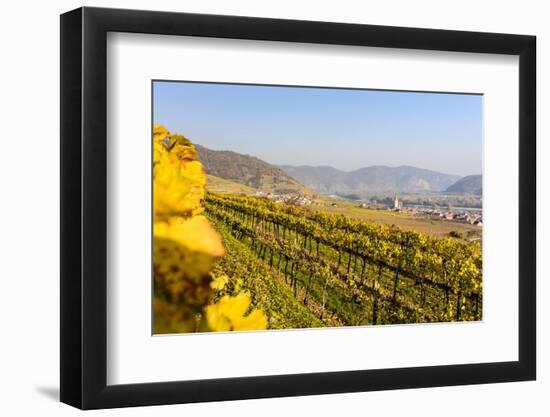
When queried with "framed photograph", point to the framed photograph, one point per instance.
{"points": [[257, 208]]}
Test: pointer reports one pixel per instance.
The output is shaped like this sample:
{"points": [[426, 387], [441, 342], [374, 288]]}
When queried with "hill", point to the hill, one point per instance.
{"points": [[220, 185], [471, 184], [381, 180], [249, 171]]}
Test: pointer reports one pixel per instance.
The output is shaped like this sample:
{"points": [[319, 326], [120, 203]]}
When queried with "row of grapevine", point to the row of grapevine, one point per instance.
{"points": [[445, 274]]}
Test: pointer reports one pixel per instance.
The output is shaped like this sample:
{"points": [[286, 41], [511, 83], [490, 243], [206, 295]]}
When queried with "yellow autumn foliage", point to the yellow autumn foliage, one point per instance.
{"points": [[196, 245], [179, 178], [219, 282], [229, 314], [186, 247]]}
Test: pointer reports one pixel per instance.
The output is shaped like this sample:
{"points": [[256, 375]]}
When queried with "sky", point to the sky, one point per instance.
{"points": [[344, 128]]}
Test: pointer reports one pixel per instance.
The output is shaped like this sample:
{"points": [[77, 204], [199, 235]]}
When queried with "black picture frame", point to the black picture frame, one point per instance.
{"points": [[84, 207]]}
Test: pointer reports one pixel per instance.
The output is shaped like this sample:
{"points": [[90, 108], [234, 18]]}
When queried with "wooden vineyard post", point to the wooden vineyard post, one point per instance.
{"points": [[375, 302]]}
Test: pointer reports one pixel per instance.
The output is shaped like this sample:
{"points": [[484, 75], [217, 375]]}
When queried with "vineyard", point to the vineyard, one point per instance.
{"points": [[347, 272], [224, 262]]}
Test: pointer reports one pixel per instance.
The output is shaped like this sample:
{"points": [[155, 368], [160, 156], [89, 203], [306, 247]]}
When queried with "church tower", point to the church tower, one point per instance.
{"points": [[397, 205]]}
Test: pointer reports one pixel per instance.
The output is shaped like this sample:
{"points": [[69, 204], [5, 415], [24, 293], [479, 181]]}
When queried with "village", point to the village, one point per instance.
{"points": [[290, 198], [469, 216], [462, 215]]}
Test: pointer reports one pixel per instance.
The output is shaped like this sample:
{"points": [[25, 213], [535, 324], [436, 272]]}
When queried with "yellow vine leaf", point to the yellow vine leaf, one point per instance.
{"points": [[219, 283], [199, 244], [179, 179], [173, 193], [159, 133], [229, 314]]}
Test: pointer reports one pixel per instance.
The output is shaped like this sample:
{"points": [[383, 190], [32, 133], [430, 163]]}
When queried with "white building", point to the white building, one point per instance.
{"points": [[397, 205]]}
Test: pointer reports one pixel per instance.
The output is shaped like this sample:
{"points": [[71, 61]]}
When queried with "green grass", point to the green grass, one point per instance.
{"points": [[285, 309], [269, 293]]}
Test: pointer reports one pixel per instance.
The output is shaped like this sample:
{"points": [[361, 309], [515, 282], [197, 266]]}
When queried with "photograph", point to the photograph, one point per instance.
{"points": [[307, 203], [290, 207]]}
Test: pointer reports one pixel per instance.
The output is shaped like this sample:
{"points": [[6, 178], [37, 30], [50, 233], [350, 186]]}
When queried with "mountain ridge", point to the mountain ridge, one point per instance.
{"points": [[374, 179], [470, 184]]}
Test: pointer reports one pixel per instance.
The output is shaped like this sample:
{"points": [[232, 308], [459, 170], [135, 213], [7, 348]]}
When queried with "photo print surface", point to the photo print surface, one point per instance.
{"points": [[286, 207]]}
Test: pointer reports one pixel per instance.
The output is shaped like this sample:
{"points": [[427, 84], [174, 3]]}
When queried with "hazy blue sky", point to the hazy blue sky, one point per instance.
{"points": [[347, 129]]}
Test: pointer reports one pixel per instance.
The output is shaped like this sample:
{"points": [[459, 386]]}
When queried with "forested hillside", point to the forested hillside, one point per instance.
{"points": [[248, 170]]}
